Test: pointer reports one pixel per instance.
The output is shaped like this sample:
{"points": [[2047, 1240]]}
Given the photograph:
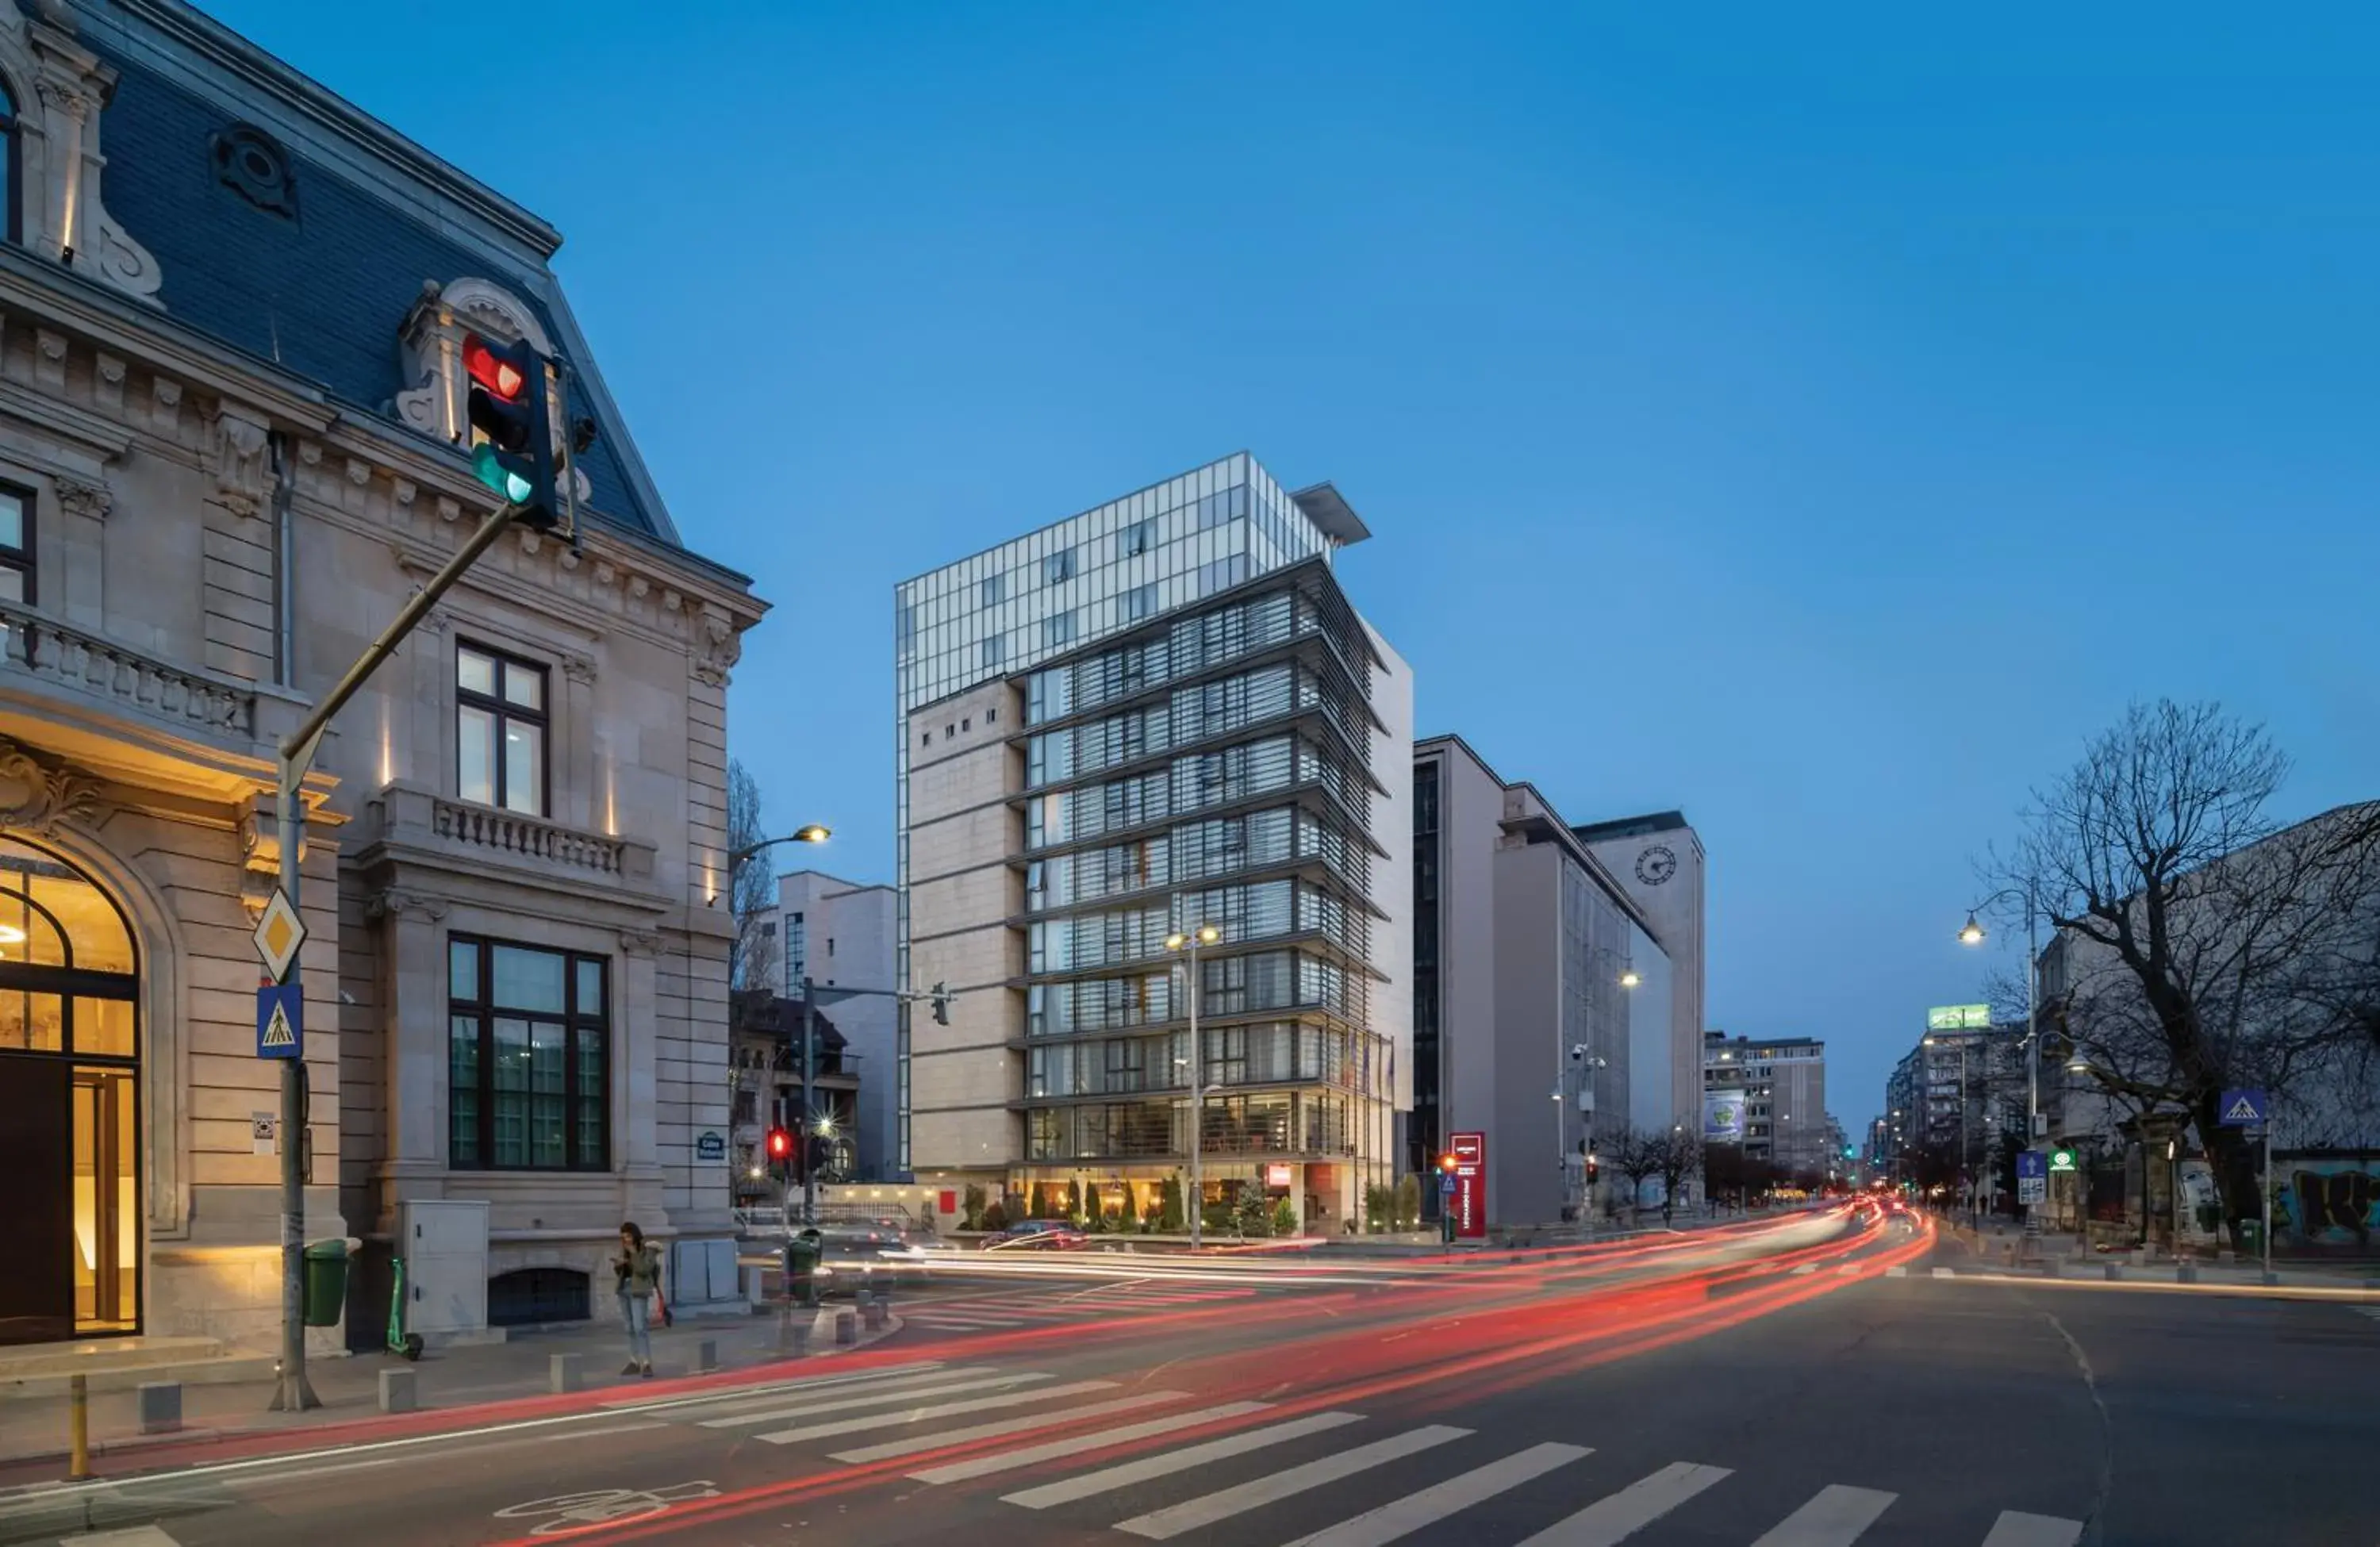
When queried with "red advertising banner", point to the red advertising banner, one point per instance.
{"points": [[1470, 1152]]}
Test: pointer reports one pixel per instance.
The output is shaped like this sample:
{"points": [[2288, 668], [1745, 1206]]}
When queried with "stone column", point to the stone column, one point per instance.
{"points": [[414, 1063]]}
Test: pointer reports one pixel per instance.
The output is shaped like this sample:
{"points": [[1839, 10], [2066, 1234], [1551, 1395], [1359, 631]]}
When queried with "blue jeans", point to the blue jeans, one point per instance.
{"points": [[637, 1311]]}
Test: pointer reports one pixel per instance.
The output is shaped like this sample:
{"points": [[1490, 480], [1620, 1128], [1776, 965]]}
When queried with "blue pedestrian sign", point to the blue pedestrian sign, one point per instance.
{"points": [[2242, 1109], [1446, 1183], [280, 1020], [2030, 1162]]}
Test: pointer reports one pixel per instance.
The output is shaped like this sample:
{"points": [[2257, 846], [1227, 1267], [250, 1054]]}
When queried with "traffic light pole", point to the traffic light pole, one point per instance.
{"points": [[292, 1392], [809, 1076]]}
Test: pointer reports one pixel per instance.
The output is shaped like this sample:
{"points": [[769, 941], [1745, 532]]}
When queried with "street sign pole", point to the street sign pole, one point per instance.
{"points": [[291, 1391], [2264, 1187]]}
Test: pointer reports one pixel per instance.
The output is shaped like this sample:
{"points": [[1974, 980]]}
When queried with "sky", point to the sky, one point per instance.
{"points": [[1818, 421]]}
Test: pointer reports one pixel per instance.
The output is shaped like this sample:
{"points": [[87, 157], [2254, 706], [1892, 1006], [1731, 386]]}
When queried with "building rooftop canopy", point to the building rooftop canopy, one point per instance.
{"points": [[1630, 827]]}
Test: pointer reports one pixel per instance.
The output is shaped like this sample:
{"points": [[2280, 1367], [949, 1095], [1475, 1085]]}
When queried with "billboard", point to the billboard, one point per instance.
{"points": [[1469, 1150], [1959, 1017], [1723, 1116]]}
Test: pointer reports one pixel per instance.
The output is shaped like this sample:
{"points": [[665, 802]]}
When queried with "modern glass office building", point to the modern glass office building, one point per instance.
{"points": [[1158, 715]]}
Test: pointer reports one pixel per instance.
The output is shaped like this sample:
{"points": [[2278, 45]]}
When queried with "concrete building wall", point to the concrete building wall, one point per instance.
{"points": [[1526, 1152], [1636, 853], [963, 892], [847, 932]]}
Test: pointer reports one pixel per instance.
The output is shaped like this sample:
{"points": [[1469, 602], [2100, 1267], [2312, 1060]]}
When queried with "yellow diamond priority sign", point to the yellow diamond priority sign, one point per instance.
{"points": [[279, 934]]}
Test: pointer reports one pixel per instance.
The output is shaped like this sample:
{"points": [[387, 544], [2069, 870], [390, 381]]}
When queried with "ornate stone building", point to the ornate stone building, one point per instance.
{"points": [[230, 401]]}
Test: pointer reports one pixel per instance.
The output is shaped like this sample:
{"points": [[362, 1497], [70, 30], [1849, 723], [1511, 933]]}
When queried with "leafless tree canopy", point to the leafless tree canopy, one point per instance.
{"points": [[2202, 945], [752, 890]]}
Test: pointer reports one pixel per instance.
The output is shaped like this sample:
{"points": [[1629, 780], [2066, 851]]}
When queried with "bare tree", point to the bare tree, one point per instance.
{"points": [[2201, 944], [752, 889], [1636, 1156]]}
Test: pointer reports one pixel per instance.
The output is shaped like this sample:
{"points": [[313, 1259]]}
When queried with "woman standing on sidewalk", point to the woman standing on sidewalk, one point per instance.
{"points": [[638, 1270]]}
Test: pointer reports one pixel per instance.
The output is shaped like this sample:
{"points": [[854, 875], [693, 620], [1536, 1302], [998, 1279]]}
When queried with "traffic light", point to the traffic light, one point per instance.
{"points": [[941, 1005], [780, 1145], [510, 411]]}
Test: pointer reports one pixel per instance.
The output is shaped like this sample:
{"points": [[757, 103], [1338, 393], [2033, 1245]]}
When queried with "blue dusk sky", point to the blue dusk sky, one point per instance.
{"points": [[1819, 420]]}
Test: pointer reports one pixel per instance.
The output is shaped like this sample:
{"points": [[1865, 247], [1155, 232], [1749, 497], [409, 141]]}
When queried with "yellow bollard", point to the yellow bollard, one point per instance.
{"points": [[79, 1407]]}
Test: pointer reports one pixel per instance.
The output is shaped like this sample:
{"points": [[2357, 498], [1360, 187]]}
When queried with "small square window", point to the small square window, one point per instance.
{"points": [[1058, 566], [16, 544], [991, 651], [1058, 629], [927, 739], [949, 731], [1139, 536], [989, 591], [966, 725], [989, 715], [1140, 602]]}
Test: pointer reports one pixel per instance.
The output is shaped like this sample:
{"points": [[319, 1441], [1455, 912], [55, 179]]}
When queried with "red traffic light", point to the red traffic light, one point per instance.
{"points": [[781, 1144], [501, 371]]}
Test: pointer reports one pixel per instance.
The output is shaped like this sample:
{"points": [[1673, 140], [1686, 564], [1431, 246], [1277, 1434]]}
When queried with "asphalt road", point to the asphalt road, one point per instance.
{"points": [[1771, 1387]]}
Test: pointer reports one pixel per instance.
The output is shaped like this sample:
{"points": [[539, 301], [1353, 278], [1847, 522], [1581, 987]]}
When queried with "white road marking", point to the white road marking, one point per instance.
{"points": [[1619, 1515], [778, 1414], [1834, 1519], [1946, 1273], [1159, 1525], [1169, 1462], [1847, 1270], [920, 1415], [2016, 1529], [1804, 1268], [993, 1430], [1055, 1450], [1403, 1517], [1898, 1271], [747, 1395], [139, 1536]]}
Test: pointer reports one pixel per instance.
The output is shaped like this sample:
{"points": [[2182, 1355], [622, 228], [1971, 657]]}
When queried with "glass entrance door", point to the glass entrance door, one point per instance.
{"points": [[69, 1104], [107, 1202]]}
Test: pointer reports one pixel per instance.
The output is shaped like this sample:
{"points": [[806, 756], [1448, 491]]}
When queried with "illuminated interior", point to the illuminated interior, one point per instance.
{"points": [[68, 997]]}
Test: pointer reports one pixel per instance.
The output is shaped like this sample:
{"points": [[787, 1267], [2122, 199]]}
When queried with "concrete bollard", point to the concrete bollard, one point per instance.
{"points": [[793, 1337], [846, 1328], [706, 1356], [872, 1315], [160, 1407], [2185, 1272], [563, 1372], [2272, 1281], [2114, 1271], [398, 1392], [2052, 1268]]}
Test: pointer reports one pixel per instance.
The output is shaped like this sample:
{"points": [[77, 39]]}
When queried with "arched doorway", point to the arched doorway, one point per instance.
{"points": [[69, 1086]]}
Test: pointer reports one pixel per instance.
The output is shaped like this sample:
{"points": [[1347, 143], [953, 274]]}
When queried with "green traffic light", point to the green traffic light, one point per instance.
{"points": [[489, 464]]}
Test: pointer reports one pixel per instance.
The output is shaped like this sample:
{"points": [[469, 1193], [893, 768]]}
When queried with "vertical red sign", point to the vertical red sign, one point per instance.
{"points": [[1470, 1152]]}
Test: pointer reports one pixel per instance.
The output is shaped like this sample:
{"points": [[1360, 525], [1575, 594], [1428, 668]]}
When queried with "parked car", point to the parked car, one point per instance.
{"points": [[862, 1253], [1037, 1235]]}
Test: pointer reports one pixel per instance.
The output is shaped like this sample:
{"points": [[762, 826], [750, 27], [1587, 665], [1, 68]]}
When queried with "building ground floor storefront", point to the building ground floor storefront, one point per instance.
{"points": [[534, 1061]]}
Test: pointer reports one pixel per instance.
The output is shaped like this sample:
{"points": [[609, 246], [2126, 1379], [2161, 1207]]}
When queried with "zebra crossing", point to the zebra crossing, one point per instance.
{"points": [[1238, 1460], [1011, 1311]]}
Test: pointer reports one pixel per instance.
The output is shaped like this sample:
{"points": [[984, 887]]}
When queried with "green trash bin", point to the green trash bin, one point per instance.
{"points": [[326, 1282], [802, 1255]]}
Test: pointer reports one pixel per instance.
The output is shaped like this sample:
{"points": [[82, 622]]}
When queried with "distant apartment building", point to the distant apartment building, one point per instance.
{"points": [[1659, 862], [1777, 1090], [842, 934], [1158, 716], [1542, 1001]]}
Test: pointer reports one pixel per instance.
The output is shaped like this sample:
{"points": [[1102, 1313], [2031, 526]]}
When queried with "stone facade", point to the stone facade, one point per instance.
{"points": [[212, 537]]}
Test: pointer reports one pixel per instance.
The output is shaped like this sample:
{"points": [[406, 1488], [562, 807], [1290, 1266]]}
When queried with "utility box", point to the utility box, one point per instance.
{"points": [[704, 1273], [444, 1245]]}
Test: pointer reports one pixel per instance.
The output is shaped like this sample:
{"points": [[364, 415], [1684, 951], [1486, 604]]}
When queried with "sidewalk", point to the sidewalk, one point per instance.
{"points": [[2002, 1247], [36, 1427]]}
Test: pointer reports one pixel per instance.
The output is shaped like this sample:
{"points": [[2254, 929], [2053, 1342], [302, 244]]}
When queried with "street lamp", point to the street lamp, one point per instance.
{"points": [[1189, 942], [1629, 977], [1973, 934]]}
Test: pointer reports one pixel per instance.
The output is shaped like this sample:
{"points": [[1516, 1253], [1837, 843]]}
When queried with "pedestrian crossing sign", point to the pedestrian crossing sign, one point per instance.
{"points": [[2241, 1109], [280, 1020]]}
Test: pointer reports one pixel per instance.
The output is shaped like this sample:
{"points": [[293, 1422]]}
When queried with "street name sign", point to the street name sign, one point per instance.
{"points": [[2243, 1109], [280, 1020], [279, 933]]}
